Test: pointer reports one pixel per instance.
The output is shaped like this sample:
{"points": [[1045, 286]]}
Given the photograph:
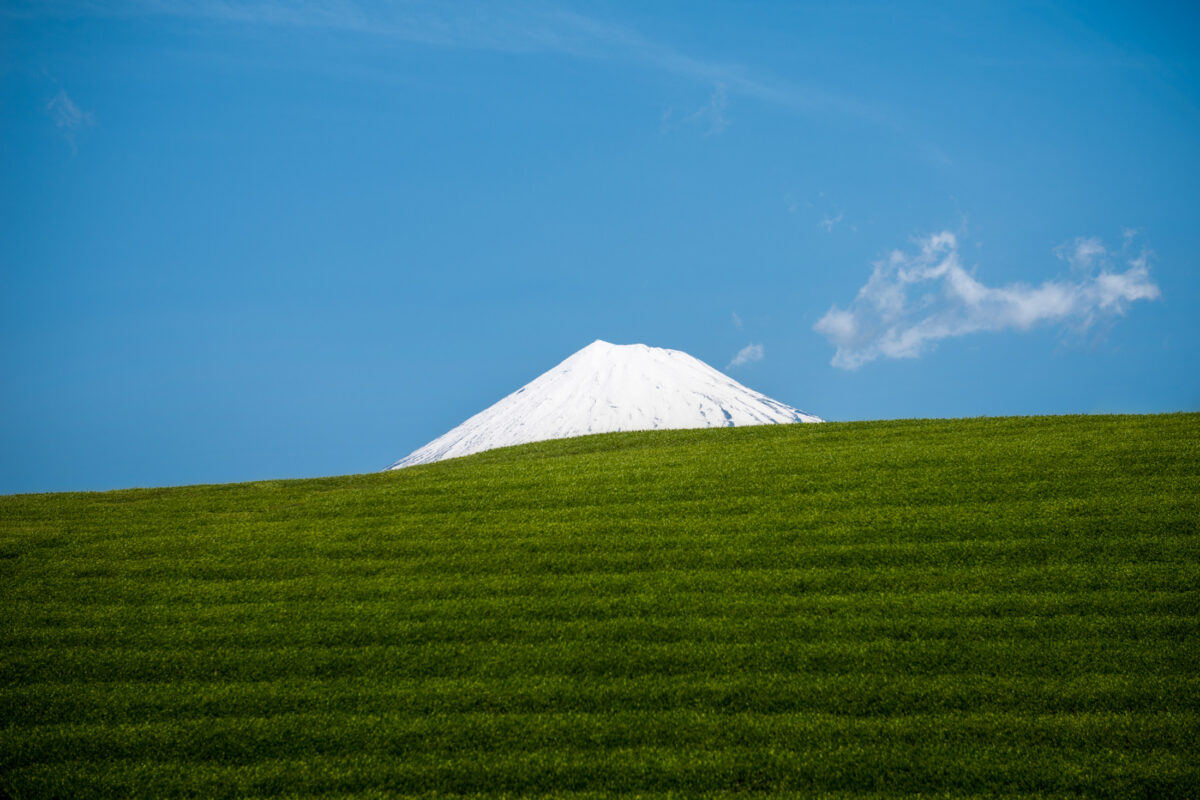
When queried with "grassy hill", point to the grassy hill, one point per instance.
{"points": [[991, 607]]}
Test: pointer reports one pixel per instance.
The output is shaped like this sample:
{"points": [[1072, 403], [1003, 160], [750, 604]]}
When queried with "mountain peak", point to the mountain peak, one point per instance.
{"points": [[605, 388]]}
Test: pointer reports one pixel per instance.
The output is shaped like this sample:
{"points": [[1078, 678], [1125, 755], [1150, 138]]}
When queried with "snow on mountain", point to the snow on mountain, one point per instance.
{"points": [[605, 388]]}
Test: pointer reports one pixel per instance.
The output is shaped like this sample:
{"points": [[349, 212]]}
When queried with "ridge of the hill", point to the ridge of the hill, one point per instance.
{"points": [[608, 388], [986, 607]]}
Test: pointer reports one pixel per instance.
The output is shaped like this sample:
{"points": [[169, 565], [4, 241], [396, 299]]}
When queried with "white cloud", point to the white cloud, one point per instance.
{"points": [[1083, 253], [913, 300], [737, 321], [65, 112], [747, 355], [827, 222], [68, 117]]}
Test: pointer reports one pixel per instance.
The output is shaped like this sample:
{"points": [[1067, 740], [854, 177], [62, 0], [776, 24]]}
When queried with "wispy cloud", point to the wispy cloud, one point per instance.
{"points": [[828, 223], [819, 204], [68, 117], [1084, 253], [521, 27], [912, 301], [737, 321], [711, 117], [747, 355], [713, 114]]}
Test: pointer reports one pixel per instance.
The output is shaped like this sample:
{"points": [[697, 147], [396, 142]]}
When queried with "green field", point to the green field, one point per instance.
{"points": [[987, 607]]}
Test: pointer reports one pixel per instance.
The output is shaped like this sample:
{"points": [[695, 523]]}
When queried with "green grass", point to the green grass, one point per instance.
{"points": [[989, 607]]}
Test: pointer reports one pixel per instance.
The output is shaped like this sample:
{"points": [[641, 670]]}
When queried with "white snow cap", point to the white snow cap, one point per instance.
{"points": [[605, 388]]}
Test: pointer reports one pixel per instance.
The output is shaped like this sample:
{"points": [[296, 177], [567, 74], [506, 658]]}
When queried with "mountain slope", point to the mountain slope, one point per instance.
{"points": [[607, 388]]}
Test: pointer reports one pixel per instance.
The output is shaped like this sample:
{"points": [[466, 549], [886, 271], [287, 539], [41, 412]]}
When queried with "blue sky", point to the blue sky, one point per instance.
{"points": [[274, 239]]}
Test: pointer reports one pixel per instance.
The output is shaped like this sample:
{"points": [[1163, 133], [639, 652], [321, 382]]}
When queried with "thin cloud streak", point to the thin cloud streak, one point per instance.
{"points": [[913, 301], [734, 78], [525, 28]]}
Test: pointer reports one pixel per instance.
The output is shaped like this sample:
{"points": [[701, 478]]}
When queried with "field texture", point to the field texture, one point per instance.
{"points": [[992, 607]]}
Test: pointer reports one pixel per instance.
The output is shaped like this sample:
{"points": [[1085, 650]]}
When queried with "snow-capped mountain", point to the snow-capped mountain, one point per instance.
{"points": [[605, 388]]}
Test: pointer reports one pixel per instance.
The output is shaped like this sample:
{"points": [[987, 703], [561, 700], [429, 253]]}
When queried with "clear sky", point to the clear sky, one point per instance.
{"points": [[249, 240]]}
